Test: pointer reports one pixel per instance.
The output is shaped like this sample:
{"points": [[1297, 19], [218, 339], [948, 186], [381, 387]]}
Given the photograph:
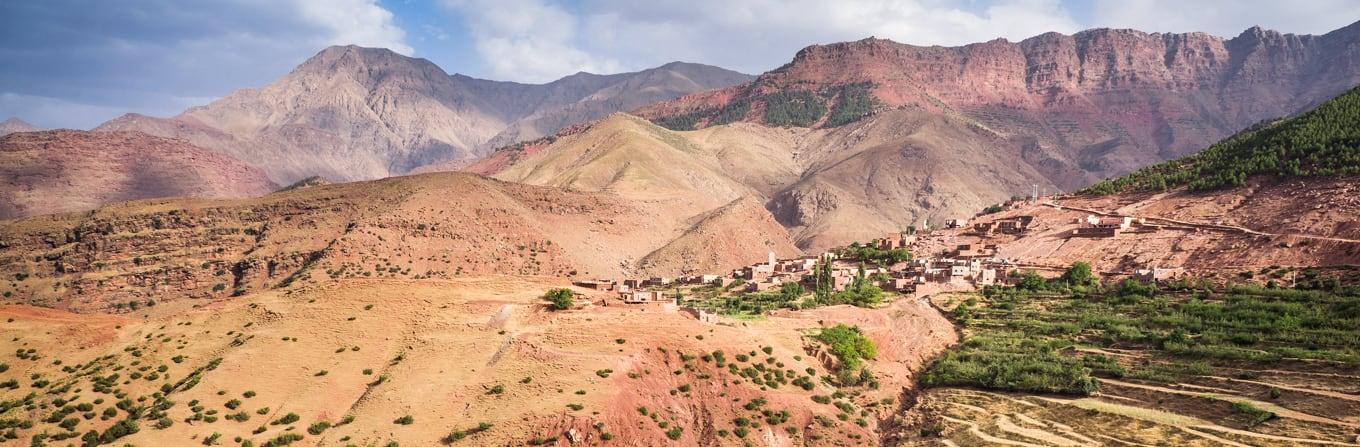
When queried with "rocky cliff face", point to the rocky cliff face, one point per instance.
{"points": [[69, 170], [352, 113], [1089, 105]]}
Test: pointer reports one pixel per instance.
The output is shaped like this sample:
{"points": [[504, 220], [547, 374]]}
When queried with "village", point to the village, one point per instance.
{"points": [[897, 264]]}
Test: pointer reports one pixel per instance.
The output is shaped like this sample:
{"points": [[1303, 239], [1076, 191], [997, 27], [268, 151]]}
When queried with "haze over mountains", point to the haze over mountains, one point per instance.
{"points": [[352, 113]]}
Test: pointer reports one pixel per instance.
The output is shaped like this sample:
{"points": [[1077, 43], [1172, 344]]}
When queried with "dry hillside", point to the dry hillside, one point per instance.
{"points": [[441, 225], [413, 362], [69, 170], [827, 186], [1268, 224]]}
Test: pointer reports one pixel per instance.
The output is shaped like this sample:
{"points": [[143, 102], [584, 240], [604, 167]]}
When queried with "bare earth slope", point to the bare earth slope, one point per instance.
{"points": [[69, 170], [352, 113], [441, 225], [452, 354], [827, 186], [1299, 223]]}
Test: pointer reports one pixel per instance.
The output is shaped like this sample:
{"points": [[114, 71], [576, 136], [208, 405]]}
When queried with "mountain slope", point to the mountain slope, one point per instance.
{"points": [[439, 225], [827, 186], [13, 125], [69, 170], [1324, 141], [875, 136], [1090, 105], [352, 113]]}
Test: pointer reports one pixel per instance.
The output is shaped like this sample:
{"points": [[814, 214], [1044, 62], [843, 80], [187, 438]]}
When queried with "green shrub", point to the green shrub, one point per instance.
{"points": [[559, 298]]}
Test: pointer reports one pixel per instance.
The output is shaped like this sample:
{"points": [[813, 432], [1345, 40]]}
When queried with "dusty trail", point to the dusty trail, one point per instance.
{"points": [[1206, 226], [1327, 393], [1278, 410]]}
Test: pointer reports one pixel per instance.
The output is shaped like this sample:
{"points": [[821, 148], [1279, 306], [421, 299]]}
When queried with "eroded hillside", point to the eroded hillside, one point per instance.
{"points": [[441, 225]]}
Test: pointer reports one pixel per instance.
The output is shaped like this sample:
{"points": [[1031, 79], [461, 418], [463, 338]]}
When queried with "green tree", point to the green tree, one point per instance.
{"points": [[560, 298], [1079, 274], [1031, 281]]}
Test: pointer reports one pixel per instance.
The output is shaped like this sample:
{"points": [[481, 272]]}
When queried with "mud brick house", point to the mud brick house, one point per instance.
{"points": [[889, 242], [968, 251], [1097, 226], [596, 284], [985, 277], [839, 283], [904, 285], [638, 297], [1014, 225], [1159, 275], [955, 223]]}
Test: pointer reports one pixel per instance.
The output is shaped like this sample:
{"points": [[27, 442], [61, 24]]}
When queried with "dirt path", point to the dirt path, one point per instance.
{"points": [[1201, 225], [1278, 410], [1327, 393]]}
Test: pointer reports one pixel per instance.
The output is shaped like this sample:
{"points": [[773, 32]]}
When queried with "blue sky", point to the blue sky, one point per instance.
{"points": [[77, 63]]}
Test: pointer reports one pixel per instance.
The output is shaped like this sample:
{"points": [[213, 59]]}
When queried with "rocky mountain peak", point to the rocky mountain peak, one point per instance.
{"points": [[373, 63]]}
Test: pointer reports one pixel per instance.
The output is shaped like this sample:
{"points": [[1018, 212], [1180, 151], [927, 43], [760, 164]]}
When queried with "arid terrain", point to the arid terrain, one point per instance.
{"points": [[854, 139], [439, 225], [1104, 238], [1305, 223], [452, 354], [59, 171]]}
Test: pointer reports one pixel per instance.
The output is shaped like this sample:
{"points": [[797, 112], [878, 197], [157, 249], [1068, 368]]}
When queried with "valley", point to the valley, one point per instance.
{"points": [[1106, 237]]}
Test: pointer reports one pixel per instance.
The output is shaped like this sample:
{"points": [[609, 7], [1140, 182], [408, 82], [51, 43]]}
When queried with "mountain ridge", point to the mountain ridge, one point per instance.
{"points": [[889, 135], [354, 113]]}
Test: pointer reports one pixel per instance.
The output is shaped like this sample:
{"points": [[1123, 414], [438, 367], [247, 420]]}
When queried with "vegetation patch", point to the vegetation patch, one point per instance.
{"points": [[1045, 335]]}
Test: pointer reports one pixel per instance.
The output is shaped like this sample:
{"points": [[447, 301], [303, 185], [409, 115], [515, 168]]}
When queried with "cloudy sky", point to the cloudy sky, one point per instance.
{"points": [[73, 63]]}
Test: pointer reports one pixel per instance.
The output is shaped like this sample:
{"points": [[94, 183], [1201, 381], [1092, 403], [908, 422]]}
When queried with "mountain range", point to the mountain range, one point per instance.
{"points": [[854, 139], [351, 113], [845, 142]]}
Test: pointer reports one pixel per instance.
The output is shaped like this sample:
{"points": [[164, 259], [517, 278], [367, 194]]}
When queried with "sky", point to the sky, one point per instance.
{"points": [[74, 63]]}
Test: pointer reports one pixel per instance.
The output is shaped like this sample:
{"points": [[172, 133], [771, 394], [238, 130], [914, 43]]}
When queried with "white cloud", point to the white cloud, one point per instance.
{"points": [[532, 40], [357, 22], [528, 40], [183, 53], [48, 112], [538, 40], [1228, 18]]}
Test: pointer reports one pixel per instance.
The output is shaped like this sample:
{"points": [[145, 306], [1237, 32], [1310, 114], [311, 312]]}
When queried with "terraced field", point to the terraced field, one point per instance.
{"points": [[1064, 365]]}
